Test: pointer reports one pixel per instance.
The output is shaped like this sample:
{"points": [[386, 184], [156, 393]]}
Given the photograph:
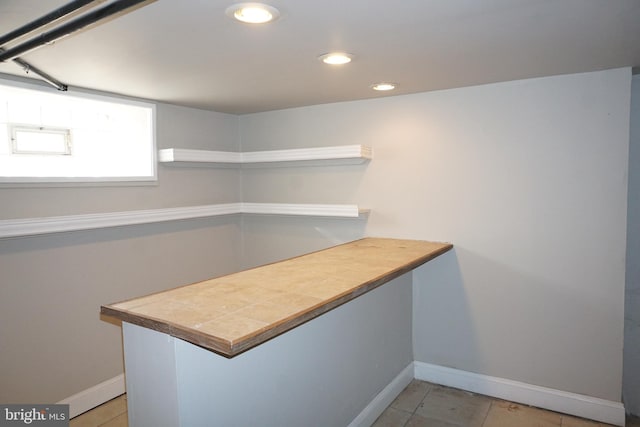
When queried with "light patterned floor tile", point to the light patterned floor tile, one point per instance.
{"points": [[454, 406], [119, 421], [419, 421], [507, 414], [568, 421], [411, 396], [101, 414], [392, 418]]}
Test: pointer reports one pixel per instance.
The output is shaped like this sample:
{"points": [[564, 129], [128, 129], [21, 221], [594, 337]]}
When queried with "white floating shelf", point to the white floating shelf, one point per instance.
{"points": [[58, 224], [169, 155], [347, 154], [342, 211], [358, 153]]}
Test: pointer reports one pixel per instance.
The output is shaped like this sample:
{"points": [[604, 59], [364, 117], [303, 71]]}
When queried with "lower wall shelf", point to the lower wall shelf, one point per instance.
{"points": [[10, 228]]}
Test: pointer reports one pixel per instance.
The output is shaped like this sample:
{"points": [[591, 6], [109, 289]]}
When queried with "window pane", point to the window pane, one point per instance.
{"points": [[33, 141]]}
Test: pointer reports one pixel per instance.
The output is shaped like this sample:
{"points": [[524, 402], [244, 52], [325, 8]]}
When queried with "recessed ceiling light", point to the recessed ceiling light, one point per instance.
{"points": [[336, 58], [384, 86], [253, 13]]}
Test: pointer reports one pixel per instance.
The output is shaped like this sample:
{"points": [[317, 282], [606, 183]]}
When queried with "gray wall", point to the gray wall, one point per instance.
{"points": [[51, 287], [631, 386], [527, 178]]}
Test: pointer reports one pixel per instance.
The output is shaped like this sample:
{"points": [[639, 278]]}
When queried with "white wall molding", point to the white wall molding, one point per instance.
{"points": [[353, 154], [95, 396], [35, 226], [556, 400], [169, 155], [379, 403], [359, 153], [344, 211], [542, 397], [57, 224]]}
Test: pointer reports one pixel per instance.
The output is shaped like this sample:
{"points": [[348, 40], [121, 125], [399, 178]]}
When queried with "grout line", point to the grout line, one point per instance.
{"points": [[122, 396], [488, 410], [418, 406]]}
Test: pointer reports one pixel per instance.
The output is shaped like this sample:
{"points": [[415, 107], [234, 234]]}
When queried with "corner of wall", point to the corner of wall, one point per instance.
{"points": [[631, 364]]}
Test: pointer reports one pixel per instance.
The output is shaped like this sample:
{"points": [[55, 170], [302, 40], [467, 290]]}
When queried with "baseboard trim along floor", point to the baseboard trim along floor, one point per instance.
{"points": [[379, 403], [593, 408], [95, 396]]}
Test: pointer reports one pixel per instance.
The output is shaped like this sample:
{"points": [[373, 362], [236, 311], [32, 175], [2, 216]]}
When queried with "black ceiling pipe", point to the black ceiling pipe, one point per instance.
{"points": [[70, 27], [44, 20]]}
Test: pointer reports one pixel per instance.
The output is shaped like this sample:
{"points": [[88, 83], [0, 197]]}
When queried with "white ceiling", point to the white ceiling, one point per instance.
{"points": [[188, 52]]}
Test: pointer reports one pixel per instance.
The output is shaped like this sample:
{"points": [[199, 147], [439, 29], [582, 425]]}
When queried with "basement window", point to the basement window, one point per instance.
{"points": [[53, 137], [40, 140]]}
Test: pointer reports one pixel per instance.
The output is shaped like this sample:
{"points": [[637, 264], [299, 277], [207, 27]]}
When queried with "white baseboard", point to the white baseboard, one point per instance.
{"points": [[593, 408], [94, 396], [379, 403], [602, 410]]}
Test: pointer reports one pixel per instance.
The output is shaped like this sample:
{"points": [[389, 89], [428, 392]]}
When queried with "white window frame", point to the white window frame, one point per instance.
{"points": [[15, 128], [19, 181]]}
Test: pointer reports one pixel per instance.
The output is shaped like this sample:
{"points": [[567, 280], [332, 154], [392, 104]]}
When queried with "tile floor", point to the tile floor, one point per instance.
{"points": [[110, 414], [421, 404]]}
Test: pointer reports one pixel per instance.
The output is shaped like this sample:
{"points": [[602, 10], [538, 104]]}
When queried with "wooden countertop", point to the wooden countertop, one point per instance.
{"points": [[234, 313]]}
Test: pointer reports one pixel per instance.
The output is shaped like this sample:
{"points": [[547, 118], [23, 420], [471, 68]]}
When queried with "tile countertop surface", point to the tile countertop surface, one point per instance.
{"points": [[234, 313]]}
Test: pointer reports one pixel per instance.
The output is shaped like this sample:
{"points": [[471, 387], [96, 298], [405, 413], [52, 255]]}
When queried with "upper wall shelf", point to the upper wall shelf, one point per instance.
{"points": [[346, 154]]}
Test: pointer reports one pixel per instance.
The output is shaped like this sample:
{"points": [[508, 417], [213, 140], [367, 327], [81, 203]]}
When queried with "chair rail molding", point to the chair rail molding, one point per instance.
{"points": [[12, 228]]}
